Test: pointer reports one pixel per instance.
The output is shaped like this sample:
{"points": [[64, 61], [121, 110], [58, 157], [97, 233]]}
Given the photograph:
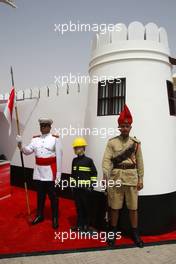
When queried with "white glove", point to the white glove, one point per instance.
{"points": [[56, 132], [58, 178], [19, 139]]}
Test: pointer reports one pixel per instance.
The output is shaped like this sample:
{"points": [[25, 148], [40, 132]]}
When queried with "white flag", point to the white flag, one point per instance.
{"points": [[9, 2]]}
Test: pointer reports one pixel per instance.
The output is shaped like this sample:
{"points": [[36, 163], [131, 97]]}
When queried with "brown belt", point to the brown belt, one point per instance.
{"points": [[125, 166]]}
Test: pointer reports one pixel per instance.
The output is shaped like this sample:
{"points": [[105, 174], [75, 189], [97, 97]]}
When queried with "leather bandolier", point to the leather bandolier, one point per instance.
{"points": [[123, 155]]}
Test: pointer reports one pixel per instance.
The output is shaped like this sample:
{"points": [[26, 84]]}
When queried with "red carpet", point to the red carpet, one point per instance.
{"points": [[17, 236]]}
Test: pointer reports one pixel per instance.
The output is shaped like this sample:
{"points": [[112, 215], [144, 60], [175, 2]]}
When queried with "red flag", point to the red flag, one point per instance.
{"points": [[8, 111]]}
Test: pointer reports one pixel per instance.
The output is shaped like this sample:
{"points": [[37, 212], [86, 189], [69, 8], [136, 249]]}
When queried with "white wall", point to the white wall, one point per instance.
{"points": [[65, 110], [144, 64]]}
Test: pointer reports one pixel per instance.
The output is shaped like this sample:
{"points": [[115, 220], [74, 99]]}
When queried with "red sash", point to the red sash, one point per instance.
{"points": [[48, 162]]}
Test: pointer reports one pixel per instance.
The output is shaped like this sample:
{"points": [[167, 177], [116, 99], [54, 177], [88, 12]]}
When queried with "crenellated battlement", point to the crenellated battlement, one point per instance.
{"points": [[49, 91], [135, 31], [137, 42]]}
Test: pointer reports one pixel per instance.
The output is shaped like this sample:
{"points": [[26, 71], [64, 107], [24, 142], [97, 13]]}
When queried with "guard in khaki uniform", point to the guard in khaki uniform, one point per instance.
{"points": [[47, 172], [123, 162]]}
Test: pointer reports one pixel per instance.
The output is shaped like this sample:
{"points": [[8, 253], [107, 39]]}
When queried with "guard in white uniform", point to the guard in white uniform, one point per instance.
{"points": [[47, 171]]}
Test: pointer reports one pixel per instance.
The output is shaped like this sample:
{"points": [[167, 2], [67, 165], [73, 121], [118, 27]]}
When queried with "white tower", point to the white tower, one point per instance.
{"points": [[138, 55]]}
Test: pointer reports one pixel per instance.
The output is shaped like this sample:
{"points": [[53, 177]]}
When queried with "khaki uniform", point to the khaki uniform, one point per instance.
{"points": [[128, 177]]}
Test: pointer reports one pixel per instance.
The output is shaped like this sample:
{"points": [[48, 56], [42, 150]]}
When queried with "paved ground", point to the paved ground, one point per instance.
{"points": [[165, 254]]}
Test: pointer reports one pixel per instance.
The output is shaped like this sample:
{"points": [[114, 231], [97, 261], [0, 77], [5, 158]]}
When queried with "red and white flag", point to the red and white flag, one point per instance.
{"points": [[8, 111]]}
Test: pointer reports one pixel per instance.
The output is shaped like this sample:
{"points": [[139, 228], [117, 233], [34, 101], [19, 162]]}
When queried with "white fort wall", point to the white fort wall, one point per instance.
{"points": [[65, 110], [140, 54]]}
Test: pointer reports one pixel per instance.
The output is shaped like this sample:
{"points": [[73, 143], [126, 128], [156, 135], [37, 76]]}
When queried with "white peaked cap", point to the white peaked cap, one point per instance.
{"points": [[45, 121]]}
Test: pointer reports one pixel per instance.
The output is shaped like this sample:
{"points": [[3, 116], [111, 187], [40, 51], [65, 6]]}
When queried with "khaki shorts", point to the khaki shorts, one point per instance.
{"points": [[116, 197]]}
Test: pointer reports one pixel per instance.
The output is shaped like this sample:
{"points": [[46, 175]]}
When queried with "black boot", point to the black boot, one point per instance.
{"points": [[111, 236], [77, 228], [55, 222], [136, 238], [54, 207], [38, 219]]}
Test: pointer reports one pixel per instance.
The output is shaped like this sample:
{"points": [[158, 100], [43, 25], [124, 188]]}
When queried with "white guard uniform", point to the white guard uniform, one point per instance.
{"points": [[45, 146]]}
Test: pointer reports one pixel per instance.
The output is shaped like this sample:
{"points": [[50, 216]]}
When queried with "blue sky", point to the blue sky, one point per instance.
{"points": [[37, 53]]}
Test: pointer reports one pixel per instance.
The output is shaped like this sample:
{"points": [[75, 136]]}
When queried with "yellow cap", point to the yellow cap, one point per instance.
{"points": [[79, 142]]}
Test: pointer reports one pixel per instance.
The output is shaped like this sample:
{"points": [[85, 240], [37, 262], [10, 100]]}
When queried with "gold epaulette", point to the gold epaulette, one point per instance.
{"points": [[55, 136], [135, 140], [36, 136]]}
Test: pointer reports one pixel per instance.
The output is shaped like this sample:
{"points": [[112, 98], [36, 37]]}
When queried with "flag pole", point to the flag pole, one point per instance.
{"points": [[21, 153], [9, 2]]}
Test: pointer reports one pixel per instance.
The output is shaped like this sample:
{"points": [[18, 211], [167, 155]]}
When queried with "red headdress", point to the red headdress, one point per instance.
{"points": [[125, 116]]}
